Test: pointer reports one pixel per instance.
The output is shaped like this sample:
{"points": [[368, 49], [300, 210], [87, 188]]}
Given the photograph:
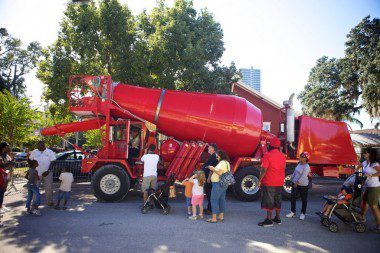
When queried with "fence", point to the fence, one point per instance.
{"points": [[20, 169]]}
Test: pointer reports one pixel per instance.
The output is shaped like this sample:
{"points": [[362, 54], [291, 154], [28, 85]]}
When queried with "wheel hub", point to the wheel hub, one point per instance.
{"points": [[110, 184], [249, 184], [287, 184]]}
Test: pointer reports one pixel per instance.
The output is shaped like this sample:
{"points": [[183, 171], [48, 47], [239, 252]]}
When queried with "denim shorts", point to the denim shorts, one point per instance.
{"points": [[63, 195], [188, 201]]}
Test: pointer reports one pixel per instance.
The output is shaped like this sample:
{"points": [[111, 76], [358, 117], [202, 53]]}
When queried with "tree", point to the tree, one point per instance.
{"points": [[15, 62], [173, 48], [93, 139], [339, 88], [17, 119], [324, 95], [183, 49]]}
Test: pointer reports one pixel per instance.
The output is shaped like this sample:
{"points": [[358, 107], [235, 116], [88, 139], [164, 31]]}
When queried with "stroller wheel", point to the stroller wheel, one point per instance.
{"points": [[325, 222], [166, 210], [333, 227], [360, 227]]}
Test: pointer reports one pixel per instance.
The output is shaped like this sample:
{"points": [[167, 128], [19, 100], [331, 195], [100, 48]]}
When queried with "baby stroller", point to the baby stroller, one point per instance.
{"points": [[160, 197], [347, 212]]}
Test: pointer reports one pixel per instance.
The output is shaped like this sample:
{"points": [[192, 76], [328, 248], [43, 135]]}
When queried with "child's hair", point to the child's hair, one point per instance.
{"points": [[201, 177], [152, 148], [32, 163], [66, 169]]}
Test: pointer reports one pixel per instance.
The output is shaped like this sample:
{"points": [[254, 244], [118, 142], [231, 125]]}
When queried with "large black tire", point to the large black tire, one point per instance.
{"points": [[287, 188], [110, 183], [245, 187]]}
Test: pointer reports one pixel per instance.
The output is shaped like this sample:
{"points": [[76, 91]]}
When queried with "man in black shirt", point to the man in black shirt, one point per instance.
{"points": [[211, 161]]}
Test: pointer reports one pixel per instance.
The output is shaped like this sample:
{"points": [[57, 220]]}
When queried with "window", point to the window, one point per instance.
{"points": [[266, 126]]}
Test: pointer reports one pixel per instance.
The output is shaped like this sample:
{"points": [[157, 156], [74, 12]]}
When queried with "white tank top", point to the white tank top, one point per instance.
{"points": [[369, 169], [197, 190]]}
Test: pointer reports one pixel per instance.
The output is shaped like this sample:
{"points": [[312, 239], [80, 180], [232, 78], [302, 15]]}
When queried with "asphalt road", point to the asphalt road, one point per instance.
{"points": [[90, 226]]}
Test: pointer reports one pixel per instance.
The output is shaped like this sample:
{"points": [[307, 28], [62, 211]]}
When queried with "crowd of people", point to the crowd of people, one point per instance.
{"points": [[209, 181], [38, 174]]}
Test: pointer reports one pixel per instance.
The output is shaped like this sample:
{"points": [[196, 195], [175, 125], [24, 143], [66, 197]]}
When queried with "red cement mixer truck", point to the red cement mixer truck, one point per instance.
{"points": [[189, 121]]}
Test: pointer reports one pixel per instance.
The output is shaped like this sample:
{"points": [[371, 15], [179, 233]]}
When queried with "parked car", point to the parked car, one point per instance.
{"points": [[69, 159], [70, 155], [20, 156]]}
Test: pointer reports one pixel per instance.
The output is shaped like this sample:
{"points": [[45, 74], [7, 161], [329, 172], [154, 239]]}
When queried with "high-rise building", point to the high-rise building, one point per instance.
{"points": [[252, 77]]}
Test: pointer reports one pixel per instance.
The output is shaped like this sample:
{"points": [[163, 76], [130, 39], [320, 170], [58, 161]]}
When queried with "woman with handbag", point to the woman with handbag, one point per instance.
{"points": [[300, 180], [218, 192]]}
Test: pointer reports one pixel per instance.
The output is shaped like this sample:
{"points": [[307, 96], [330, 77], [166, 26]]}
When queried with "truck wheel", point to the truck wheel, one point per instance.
{"points": [[287, 187], [110, 183], [246, 185]]}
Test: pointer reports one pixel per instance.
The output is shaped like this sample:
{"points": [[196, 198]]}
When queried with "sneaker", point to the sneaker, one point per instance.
{"points": [[291, 215], [193, 217], [189, 214], [36, 212], [6, 209], [277, 221], [266, 223], [302, 216]]}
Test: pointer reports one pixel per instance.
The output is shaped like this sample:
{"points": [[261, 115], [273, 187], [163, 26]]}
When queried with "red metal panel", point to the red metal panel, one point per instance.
{"points": [[195, 160], [331, 171], [182, 172], [328, 142], [178, 159], [232, 122]]}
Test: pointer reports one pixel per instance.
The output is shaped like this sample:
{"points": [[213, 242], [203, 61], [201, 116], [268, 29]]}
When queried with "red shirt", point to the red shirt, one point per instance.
{"points": [[274, 162]]}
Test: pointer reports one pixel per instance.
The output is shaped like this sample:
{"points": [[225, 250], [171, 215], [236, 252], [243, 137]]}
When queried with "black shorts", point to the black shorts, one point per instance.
{"points": [[271, 198], [1, 196]]}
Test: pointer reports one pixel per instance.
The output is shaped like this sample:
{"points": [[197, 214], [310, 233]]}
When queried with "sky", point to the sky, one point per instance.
{"points": [[281, 38]]}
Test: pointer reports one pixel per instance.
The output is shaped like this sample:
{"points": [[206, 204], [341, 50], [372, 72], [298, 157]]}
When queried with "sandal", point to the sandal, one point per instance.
{"points": [[211, 221]]}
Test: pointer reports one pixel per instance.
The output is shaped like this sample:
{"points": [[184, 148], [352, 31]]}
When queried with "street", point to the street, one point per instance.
{"points": [[90, 226]]}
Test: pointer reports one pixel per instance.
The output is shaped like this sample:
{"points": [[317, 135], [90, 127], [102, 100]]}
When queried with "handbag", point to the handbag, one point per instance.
{"points": [[227, 178]]}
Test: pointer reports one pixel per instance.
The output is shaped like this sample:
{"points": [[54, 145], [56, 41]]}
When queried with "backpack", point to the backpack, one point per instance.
{"points": [[227, 178]]}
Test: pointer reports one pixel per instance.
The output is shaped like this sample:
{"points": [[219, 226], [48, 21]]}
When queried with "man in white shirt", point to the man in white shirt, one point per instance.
{"points": [[150, 161], [44, 157]]}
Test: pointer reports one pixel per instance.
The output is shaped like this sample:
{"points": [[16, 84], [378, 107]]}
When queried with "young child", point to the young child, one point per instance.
{"points": [[188, 194], [66, 179], [343, 197], [198, 179], [32, 176]]}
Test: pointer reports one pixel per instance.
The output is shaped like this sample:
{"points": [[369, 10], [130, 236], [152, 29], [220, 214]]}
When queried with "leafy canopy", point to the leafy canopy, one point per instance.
{"points": [[17, 119], [15, 62], [176, 48], [339, 88]]}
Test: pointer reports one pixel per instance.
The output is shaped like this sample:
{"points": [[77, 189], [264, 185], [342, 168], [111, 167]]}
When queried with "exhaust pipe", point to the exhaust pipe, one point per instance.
{"points": [[290, 119]]}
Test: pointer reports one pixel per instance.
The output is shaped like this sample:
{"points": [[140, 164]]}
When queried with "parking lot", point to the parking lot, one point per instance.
{"points": [[91, 226]]}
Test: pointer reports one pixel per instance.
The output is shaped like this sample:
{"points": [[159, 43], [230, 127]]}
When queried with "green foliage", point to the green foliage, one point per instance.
{"points": [[15, 62], [17, 119], [93, 139], [339, 88], [175, 48]]}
